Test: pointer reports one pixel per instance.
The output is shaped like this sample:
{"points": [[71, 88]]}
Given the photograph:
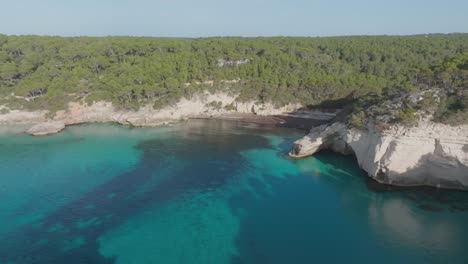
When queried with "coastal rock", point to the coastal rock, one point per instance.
{"points": [[15, 117], [429, 154], [46, 128], [147, 122], [321, 137]]}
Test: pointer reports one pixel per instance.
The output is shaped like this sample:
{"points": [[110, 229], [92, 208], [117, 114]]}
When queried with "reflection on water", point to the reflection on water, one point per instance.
{"points": [[422, 218], [210, 192], [396, 219]]}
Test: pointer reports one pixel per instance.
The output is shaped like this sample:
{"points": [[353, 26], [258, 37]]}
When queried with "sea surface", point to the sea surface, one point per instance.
{"points": [[210, 192]]}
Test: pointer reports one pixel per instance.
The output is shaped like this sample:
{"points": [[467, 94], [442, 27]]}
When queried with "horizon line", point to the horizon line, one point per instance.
{"points": [[236, 36]]}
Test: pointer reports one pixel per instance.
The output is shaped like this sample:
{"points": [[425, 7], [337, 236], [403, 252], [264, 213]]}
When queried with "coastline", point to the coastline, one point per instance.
{"points": [[284, 121], [204, 105], [428, 154]]}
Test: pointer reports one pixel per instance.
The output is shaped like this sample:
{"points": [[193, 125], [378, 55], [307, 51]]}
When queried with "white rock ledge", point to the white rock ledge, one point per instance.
{"points": [[197, 106], [429, 154], [46, 128]]}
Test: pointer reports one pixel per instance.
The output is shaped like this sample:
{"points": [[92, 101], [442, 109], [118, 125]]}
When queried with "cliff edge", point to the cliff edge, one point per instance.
{"points": [[429, 153]]}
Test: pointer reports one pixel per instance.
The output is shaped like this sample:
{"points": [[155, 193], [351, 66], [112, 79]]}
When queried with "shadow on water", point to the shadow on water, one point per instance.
{"points": [[70, 234], [425, 197], [267, 222]]}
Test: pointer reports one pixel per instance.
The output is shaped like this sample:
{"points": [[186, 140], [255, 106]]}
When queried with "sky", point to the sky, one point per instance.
{"points": [[202, 18]]}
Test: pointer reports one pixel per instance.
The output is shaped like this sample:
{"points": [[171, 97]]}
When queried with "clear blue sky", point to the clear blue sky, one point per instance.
{"points": [[184, 18]]}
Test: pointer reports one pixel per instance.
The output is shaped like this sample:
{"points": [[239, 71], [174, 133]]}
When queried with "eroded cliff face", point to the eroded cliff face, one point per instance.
{"points": [[195, 107], [430, 154], [199, 106]]}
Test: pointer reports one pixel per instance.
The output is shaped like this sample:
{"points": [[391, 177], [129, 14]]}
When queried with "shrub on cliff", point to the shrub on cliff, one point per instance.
{"points": [[358, 120], [407, 114], [453, 110]]}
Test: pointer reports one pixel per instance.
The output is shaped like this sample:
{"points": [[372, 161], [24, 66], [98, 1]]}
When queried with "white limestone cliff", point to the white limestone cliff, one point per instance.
{"points": [[429, 154], [198, 106]]}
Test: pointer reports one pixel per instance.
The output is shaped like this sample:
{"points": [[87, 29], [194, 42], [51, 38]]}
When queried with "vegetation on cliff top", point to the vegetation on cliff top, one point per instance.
{"points": [[441, 92], [38, 72]]}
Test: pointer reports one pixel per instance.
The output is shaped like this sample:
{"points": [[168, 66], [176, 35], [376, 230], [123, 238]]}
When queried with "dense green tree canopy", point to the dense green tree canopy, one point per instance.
{"points": [[133, 71]]}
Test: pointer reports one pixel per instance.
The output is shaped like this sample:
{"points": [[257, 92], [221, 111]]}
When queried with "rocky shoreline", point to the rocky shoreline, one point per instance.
{"points": [[429, 154], [206, 105], [46, 128]]}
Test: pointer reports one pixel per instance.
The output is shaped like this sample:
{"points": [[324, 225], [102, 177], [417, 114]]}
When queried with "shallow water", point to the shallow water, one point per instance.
{"points": [[210, 192]]}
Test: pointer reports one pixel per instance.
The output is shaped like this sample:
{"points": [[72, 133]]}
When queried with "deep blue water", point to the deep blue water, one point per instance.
{"points": [[210, 192]]}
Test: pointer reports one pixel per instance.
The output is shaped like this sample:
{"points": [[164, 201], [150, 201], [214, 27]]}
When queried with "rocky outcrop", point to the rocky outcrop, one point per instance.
{"points": [[231, 62], [46, 128], [428, 154]]}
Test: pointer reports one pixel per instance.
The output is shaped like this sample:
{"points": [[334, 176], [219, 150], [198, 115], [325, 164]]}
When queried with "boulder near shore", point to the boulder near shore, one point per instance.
{"points": [[46, 128]]}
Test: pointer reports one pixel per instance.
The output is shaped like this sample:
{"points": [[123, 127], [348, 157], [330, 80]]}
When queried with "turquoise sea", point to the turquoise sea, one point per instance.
{"points": [[210, 192]]}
